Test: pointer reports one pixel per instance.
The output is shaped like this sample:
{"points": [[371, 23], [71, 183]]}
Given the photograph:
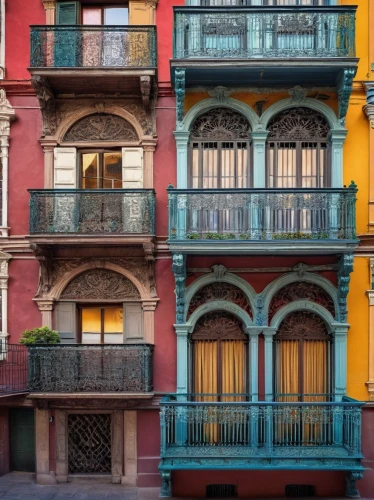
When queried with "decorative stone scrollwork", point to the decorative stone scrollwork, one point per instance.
{"points": [[219, 325], [297, 291], [220, 93], [297, 124], [221, 124], [219, 291], [100, 284], [101, 127], [47, 104], [302, 324], [298, 94]]}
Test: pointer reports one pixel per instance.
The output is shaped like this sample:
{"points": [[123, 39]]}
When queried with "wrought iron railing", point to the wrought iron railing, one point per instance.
{"points": [[264, 32], [91, 368], [13, 368], [93, 46], [262, 214], [264, 429], [92, 211]]}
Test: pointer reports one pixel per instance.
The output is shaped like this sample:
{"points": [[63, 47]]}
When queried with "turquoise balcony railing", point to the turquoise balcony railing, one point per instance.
{"points": [[261, 435], [92, 211], [268, 215], [93, 46], [264, 32], [91, 368]]}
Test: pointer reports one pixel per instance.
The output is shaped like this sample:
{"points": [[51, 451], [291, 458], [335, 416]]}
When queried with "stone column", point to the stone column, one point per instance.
{"points": [[43, 475], [130, 449], [148, 148], [117, 446], [61, 447], [182, 358], [50, 11], [340, 359], [46, 308], [48, 148], [149, 307], [268, 335]]}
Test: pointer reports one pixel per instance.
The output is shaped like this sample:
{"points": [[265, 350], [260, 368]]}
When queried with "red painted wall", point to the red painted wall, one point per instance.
{"points": [[257, 484], [19, 15], [23, 313], [26, 161], [164, 23], [148, 437], [366, 485]]}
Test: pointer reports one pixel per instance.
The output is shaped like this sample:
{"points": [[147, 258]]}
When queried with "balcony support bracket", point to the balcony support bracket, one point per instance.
{"points": [[165, 484], [350, 482], [47, 103], [180, 91], [345, 269], [344, 89], [179, 270], [145, 89]]}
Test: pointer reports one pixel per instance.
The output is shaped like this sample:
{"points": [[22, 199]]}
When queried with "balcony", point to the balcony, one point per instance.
{"points": [[13, 369], [253, 221], [76, 368], [261, 435], [126, 215], [264, 46], [89, 59]]}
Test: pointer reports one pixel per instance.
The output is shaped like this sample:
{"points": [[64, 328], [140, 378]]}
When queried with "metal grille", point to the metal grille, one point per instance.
{"points": [[221, 491], [89, 443], [13, 367], [299, 490]]}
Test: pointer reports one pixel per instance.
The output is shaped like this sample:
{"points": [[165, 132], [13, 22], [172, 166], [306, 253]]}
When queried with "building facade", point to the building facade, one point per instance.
{"points": [[187, 200]]}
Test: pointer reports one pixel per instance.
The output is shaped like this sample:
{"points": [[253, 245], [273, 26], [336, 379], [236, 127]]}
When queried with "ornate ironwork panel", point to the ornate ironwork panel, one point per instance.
{"points": [[89, 443], [101, 284], [262, 214], [262, 430], [91, 368], [13, 368], [101, 127], [265, 32], [298, 124], [302, 325], [93, 46], [219, 291], [219, 325], [298, 291], [220, 124], [118, 211]]}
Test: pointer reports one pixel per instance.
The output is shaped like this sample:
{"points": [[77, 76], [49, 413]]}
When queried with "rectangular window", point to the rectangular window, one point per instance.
{"points": [[101, 170], [102, 325], [105, 16]]}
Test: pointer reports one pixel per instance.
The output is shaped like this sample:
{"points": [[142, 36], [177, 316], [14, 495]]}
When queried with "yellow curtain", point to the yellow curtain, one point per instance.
{"points": [[206, 380], [232, 352], [287, 381]]}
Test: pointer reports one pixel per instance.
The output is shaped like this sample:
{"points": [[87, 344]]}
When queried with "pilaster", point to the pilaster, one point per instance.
{"points": [[340, 359], [7, 114], [259, 157], [149, 307], [370, 382], [181, 139], [130, 449], [4, 277], [337, 138], [268, 336], [149, 147], [50, 11], [117, 446], [42, 447], [253, 347], [182, 358], [46, 308], [369, 111], [48, 149]]}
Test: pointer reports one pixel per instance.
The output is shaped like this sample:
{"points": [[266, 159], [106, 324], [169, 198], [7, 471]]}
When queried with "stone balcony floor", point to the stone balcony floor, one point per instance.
{"points": [[21, 486]]}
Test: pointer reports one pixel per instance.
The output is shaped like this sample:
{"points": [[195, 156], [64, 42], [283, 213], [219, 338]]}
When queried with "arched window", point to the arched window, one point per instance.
{"points": [[303, 359], [219, 150], [219, 358], [297, 150]]}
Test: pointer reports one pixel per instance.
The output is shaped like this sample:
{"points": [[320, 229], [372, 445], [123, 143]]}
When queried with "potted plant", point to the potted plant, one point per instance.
{"points": [[42, 335]]}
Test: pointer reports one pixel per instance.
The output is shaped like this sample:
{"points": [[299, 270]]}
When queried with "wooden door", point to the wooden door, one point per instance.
{"points": [[22, 440]]}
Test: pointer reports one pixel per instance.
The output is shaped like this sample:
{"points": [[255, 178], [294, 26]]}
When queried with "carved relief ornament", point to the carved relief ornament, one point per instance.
{"points": [[47, 104], [101, 127], [100, 284]]}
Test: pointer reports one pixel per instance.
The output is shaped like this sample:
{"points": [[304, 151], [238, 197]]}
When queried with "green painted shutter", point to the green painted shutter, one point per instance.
{"points": [[67, 13]]}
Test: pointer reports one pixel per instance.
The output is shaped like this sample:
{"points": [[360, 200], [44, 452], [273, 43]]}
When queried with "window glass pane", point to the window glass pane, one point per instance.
{"points": [[116, 15], [90, 170], [112, 175], [91, 15], [113, 325], [91, 326]]}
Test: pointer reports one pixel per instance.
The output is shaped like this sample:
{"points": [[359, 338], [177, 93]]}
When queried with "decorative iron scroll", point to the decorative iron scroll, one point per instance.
{"points": [[259, 214], [263, 33], [89, 443], [218, 325], [302, 325], [93, 47], [91, 368], [219, 291], [298, 291], [101, 127], [298, 124], [221, 124], [101, 284], [96, 211]]}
